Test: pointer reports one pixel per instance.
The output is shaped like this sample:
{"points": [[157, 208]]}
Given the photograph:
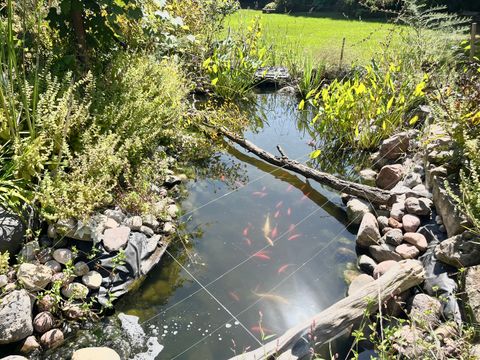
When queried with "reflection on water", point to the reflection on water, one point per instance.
{"points": [[270, 247]]}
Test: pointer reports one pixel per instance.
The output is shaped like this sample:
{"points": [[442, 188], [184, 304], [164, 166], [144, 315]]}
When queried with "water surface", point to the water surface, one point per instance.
{"points": [[232, 290]]}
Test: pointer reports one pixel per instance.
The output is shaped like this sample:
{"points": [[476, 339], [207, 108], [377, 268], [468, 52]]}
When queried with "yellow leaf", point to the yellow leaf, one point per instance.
{"points": [[315, 154], [361, 89], [413, 120], [390, 103], [301, 105], [214, 81]]}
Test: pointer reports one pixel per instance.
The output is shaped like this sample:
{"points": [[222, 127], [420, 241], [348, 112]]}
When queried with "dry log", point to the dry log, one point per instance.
{"points": [[372, 194], [334, 320]]}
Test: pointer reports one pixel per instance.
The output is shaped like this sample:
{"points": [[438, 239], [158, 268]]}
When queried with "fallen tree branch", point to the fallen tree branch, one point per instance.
{"points": [[372, 194], [334, 320]]}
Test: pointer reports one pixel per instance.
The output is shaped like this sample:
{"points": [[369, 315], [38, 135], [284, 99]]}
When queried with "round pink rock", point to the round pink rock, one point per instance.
{"points": [[383, 267], [407, 251], [410, 223], [417, 240]]}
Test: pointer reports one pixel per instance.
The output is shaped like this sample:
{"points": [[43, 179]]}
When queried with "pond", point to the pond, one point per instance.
{"points": [[269, 250]]}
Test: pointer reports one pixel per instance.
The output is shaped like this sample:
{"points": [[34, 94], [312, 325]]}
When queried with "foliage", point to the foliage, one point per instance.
{"points": [[364, 110], [232, 66], [4, 259]]}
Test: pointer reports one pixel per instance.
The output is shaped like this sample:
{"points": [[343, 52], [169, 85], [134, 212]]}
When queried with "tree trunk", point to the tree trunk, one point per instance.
{"points": [[334, 320], [80, 34], [372, 194]]}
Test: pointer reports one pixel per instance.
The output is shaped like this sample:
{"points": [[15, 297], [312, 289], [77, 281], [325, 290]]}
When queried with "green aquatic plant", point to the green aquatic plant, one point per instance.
{"points": [[363, 110]]}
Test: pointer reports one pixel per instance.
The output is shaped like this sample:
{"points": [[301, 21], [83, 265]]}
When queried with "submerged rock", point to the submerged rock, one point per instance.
{"points": [[15, 317]]}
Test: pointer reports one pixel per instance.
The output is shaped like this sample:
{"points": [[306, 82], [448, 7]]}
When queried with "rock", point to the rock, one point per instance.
{"points": [[368, 176], [475, 351], [3, 280], [52, 339], [398, 210], [116, 239], [418, 206], [43, 322], [400, 190], [446, 330], [81, 268], [134, 223], [425, 311], [359, 282], [440, 157], [350, 275], [51, 231], [411, 223], [73, 312], [75, 291], [147, 231], [419, 191], [366, 264], [15, 317], [383, 253], [412, 179], [63, 278], [382, 222], [409, 342], [54, 265], [29, 250], [172, 210], [345, 198], [382, 211], [416, 239], [454, 220], [368, 233], [386, 230], [356, 209], [152, 244], [46, 303], [12, 231], [395, 146], [472, 290], [389, 176], [14, 357], [63, 256], [168, 228], [460, 250], [442, 228], [287, 90], [407, 251], [383, 267], [9, 287], [438, 220], [394, 237], [74, 229], [34, 277], [29, 345], [150, 221], [92, 280], [172, 180], [116, 215], [44, 255], [95, 353], [111, 223], [378, 161], [394, 224]]}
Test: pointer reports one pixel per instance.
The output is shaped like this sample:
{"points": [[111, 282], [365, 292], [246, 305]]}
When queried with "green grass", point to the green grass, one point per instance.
{"points": [[317, 36]]}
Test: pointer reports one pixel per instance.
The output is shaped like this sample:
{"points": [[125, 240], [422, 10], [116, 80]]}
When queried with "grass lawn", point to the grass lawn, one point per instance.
{"points": [[316, 36]]}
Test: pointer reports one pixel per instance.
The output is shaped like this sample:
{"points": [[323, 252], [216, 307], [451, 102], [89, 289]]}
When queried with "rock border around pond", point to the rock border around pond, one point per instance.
{"points": [[76, 262]]}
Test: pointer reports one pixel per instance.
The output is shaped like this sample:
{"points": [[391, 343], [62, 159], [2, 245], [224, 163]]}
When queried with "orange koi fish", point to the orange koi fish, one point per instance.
{"points": [[248, 241], [260, 330], [261, 255], [234, 296], [245, 231], [277, 214], [259, 194], [289, 211], [279, 205], [282, 268], [272, 297], [274, 232], [294, 237], [291, 227]]}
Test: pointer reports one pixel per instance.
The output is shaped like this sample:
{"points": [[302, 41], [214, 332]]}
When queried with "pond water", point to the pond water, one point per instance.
{"points": [[269, 250]]}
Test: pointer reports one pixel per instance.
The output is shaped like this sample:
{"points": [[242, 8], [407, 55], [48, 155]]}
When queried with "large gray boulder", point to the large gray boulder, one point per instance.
{"points": [[34, 277], [460, 250], [15, 317], [356, 209], [12, 231], [368, 233]]}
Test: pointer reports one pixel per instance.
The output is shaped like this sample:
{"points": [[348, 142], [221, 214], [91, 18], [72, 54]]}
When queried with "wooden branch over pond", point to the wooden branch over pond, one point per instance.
{"points": [[372, 194], [333, 321]]}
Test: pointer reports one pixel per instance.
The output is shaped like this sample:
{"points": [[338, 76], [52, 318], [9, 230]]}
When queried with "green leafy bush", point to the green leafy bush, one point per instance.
{"points": [[232, 66], [362, 111]]}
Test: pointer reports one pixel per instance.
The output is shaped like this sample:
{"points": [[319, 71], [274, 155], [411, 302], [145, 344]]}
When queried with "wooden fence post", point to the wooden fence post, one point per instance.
{"points": [[473, 35]]}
